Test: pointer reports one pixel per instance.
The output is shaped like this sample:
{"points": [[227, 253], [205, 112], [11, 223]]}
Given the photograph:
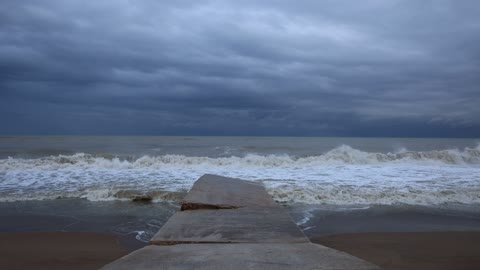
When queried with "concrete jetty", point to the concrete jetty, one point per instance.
{"points": [[247, 225], [228, 223], [217, 192]]}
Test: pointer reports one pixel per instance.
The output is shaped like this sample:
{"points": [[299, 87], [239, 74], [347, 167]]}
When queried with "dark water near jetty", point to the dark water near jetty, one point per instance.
{"points": [[136, 223]]}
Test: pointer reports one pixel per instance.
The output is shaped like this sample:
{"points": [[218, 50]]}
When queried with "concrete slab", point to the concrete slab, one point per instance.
{"points": [[244, 225], [240, 256], [217, 192]]}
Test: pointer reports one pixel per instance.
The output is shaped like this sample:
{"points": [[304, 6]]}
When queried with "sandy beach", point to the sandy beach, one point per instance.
{"points": [[58, 250], [79, 234], [412, 251], [426, 250]]}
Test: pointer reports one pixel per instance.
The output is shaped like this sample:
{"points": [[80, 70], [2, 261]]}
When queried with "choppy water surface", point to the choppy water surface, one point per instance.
{"points": [[338, 171], [86, 183], [130, 221]]}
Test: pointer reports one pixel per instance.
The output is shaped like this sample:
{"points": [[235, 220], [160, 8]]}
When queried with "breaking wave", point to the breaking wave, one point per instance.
{"points": [[341, 155], [342, 176], [366, 195]]}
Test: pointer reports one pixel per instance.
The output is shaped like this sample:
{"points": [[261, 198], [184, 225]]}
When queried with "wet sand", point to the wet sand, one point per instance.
{"points": [[78, 234], [58, 250], [405, 250], [71, 250]]}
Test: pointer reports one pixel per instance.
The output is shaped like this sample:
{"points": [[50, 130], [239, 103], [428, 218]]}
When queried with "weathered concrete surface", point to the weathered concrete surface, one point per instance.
{"points": [[239, 256], [224, 210], [244, 225], [217, 192]]}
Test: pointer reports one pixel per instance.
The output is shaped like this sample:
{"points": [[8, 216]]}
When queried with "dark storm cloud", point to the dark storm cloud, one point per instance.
{"points": [[350, 68]]}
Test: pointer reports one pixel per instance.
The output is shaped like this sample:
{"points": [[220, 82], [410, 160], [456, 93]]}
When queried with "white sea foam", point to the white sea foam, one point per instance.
{"points": [[339, 156], [341, 176], [307, 215]]}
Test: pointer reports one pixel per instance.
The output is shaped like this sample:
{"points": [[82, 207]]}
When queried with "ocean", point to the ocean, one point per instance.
{"points": [[318, 179]]}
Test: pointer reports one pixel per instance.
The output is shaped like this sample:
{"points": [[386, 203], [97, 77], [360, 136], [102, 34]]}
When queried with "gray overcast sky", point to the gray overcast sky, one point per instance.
{"points": [[307, 68]]}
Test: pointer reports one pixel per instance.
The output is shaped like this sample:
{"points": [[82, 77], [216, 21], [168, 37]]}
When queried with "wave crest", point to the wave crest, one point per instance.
{"points": [[341, 155], [340, 176]]}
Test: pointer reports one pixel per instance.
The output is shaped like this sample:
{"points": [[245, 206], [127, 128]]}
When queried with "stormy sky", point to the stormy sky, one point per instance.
{"points": [[286, 68]]}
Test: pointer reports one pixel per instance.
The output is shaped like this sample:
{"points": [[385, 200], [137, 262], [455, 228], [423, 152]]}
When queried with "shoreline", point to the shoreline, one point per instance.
{"points": [[60, 234], [391, 251]]}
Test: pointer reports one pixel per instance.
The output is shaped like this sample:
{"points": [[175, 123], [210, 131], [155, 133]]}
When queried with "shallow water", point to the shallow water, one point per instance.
{"points": [[136, 223], [128, 220]]}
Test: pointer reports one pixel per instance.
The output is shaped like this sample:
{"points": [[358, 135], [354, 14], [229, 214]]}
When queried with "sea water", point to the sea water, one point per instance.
{"points": [[305, 174]]}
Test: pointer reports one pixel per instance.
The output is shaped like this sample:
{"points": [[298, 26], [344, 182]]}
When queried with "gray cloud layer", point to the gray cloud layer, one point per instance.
{"points": [[349, 68]]}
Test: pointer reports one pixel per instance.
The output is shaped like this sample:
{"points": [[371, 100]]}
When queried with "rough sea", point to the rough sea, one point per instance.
{"points": [[305, 174]]}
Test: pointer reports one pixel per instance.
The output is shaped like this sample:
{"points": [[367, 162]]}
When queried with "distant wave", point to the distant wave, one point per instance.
{"points": [[341, 176], [341, 155]]}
